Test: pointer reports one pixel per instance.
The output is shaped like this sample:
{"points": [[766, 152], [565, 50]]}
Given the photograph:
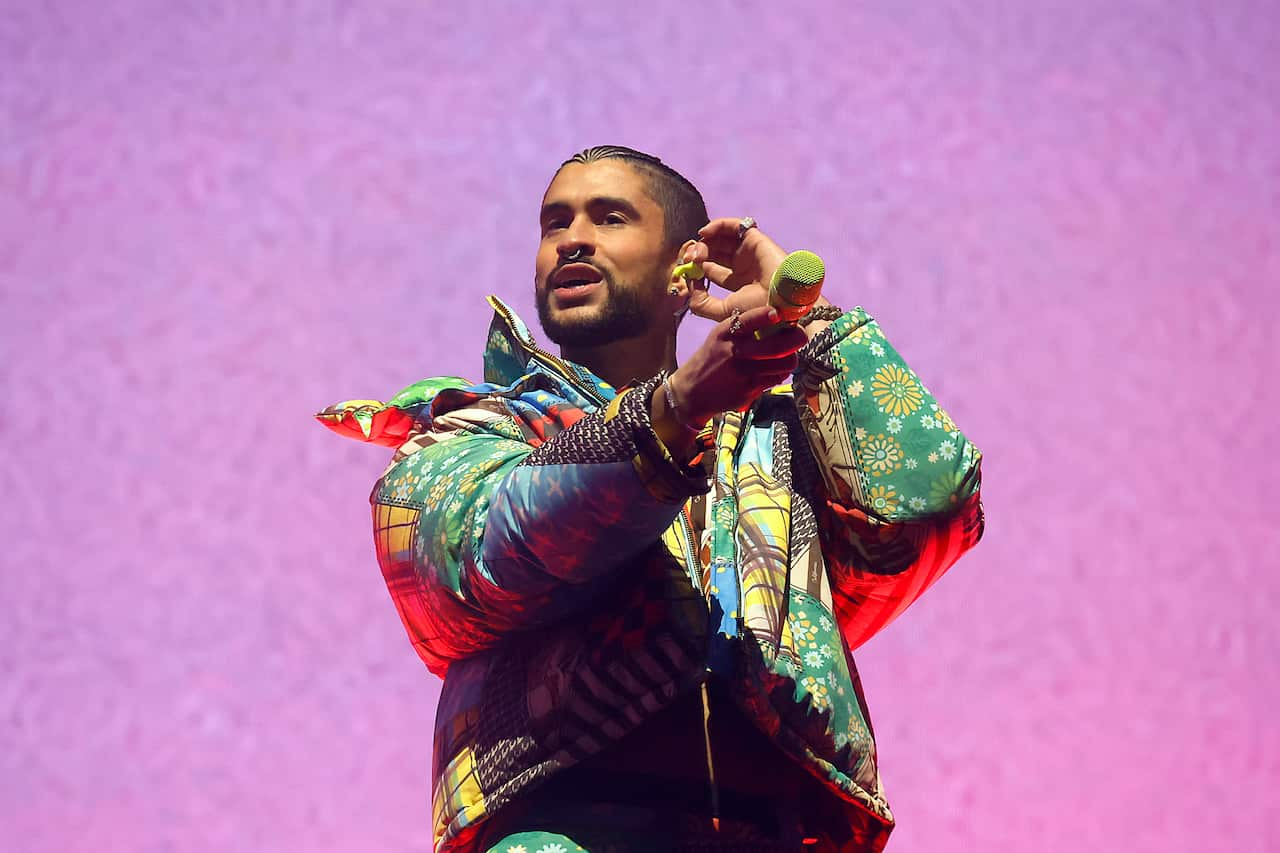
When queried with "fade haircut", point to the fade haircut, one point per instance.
{"points": [[683, 210]]}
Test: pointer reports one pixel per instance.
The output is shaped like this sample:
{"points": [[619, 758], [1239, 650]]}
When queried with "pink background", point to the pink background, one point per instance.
{"points": [[217, 218]]}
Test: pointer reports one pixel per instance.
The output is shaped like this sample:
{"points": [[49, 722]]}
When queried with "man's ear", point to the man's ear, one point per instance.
{"points": [[679, 288], [677, 279]]}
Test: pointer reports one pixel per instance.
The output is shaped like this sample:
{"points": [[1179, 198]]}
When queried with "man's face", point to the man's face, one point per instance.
{"points": [[602, 269]]}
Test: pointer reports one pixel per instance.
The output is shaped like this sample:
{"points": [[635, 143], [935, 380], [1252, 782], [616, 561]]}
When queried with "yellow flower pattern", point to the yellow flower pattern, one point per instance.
{"points": [[883, 499], [865, 334], [881, 454], [438, 491], [817, 689], [944, 420], [896, 391], [802, 629]]}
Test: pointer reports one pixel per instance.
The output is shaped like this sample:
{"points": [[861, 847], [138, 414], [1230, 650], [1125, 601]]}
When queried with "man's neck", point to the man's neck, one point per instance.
{"points": [[621, 362]]}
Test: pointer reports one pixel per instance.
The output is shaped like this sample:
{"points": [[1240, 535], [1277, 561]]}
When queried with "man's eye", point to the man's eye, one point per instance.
{"points": [[615, 219], [553, 225]]}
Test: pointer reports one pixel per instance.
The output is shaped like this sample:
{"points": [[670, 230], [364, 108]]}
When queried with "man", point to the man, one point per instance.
{"points": [[641, 582]]}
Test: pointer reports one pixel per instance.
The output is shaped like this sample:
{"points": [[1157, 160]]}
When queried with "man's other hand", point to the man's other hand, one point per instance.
{"points": [[744, 267], [732, 368]]}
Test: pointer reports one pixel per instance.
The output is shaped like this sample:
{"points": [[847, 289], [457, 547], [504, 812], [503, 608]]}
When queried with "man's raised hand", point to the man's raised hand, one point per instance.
{"points": [[732, 368], [742, 267]]}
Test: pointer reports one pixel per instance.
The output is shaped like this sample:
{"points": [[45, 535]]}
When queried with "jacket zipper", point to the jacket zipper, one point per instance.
{"points": [[695, 567], [552, 361], [691, 552]]}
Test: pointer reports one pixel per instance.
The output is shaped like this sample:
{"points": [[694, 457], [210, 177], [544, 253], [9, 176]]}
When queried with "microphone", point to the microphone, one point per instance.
{"points": [[796, 285]]}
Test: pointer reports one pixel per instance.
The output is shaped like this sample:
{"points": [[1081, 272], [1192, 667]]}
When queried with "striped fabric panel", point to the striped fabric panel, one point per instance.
{"points": [[621, 671]]}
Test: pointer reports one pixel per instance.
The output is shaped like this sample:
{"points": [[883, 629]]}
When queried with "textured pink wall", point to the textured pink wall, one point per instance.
{"points": [[216, 218]]}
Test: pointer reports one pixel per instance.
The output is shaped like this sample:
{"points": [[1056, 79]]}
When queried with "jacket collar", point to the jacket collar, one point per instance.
{"points": [[511, 352]]}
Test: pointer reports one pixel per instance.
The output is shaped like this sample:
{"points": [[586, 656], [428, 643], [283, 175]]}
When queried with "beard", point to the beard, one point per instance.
{"points": [[623, 314]]}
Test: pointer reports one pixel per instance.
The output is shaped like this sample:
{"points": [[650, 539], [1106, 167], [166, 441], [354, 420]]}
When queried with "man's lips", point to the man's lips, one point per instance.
{"points": [[574, 275]]}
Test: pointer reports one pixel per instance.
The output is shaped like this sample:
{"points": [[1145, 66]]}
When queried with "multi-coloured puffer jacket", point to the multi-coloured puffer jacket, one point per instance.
{"points": [[568, 579]]}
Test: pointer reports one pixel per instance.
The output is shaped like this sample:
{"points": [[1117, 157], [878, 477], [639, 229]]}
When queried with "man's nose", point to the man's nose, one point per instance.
{"points": [[576, 241]]}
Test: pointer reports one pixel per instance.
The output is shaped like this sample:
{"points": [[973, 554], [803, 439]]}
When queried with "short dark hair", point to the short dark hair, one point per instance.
{"points": [[683, 209]]}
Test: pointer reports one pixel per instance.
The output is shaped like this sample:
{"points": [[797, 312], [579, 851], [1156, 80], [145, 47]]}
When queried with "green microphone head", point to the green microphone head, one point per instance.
{"points": [[796, 285]]}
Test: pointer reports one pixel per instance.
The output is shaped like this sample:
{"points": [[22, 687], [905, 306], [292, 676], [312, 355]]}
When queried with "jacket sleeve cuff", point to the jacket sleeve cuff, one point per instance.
{"points": [[667, 479], [816, 357]]}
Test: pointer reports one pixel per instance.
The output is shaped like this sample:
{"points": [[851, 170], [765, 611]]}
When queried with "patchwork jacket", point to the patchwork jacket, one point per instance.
{"points": [[567, 578]]}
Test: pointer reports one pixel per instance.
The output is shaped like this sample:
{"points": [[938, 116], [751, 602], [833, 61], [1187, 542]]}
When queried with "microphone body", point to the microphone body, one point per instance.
{"points": [[796, 285]]}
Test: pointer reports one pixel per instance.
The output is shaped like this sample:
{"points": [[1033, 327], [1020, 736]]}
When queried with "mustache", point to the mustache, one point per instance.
{"points": [[604, 273]]}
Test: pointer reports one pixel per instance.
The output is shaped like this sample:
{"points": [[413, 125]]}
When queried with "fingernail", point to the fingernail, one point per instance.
{"points": [[773, 313]]}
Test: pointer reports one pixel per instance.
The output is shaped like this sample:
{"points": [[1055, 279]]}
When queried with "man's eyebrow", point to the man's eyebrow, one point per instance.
{"points": [[552, 207], [595, 202], [614, 203]]}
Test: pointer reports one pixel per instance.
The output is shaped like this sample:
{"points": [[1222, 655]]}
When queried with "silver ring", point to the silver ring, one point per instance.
{"points": [[573, 256], [745, 224], [736, 325]]}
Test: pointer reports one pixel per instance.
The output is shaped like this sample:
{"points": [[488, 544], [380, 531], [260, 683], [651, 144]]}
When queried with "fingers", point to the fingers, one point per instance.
{"points": [[720, 231], [768, 361], [787, 340], [700, 253], [720, 236], [716, 273], [748, 322], [720, 225], [703, 304], [718, 241], [732, 367]]}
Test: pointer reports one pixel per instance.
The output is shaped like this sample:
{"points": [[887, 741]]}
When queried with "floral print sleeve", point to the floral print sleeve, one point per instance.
{"points": [[901, 480]]}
